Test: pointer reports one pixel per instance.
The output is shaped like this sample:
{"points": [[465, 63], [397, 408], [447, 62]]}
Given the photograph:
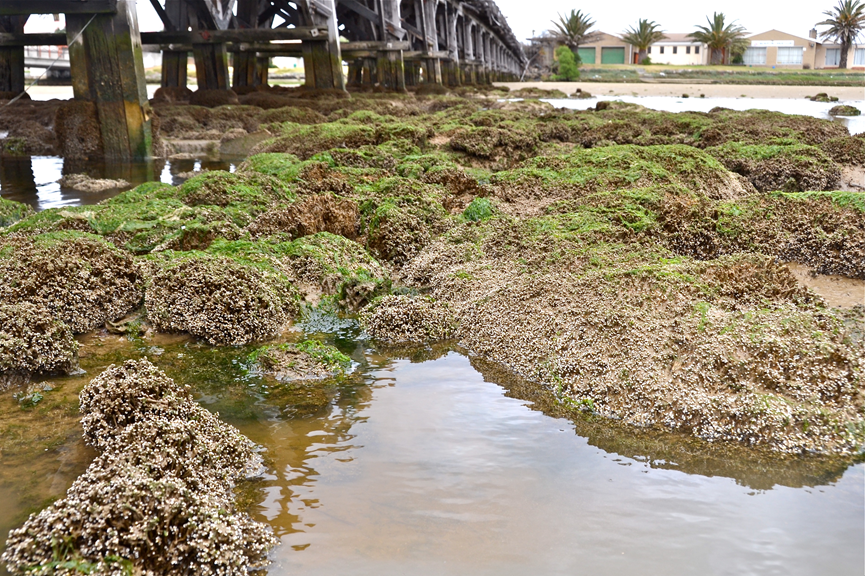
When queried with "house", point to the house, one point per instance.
{"points": [[606, 49], [678, 49], [784, 50]]}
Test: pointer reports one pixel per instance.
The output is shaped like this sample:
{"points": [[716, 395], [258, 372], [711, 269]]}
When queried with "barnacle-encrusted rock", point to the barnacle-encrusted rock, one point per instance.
{"points": [[32, 341], [403, 319], [726, 349], [307, 360], [224, 301], [81, 279], [158, 500]]}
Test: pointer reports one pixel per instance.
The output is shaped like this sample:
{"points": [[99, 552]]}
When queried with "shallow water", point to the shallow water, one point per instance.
{"points": [[434, 462], [33, 179], [855, 124]]}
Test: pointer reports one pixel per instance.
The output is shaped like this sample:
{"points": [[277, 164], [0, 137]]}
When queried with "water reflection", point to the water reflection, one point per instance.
{"points": [[430, 461], [445, 474], [33, 180]]}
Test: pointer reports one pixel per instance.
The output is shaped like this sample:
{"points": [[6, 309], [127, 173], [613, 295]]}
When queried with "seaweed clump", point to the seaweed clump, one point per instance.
{"points": [[11, 212], [79, 278], [307, 360], [159, 497], [791, 168]]}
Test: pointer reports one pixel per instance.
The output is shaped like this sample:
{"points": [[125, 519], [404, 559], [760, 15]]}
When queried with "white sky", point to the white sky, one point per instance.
{"points": [[613, 16]]}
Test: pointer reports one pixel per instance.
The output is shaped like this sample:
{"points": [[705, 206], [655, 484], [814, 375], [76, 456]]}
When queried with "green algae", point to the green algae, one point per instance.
{"points": [[11, 212]]}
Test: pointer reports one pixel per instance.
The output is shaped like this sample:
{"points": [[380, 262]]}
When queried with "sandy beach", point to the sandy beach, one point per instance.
{"points": [[710, 90]]}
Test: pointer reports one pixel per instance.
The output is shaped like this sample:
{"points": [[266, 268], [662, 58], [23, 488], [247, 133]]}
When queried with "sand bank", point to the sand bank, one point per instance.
{"points": [[676, 90]]}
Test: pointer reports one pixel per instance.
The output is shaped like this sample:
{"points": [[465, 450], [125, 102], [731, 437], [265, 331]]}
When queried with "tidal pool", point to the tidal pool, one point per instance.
{"points": [[431, 461]]}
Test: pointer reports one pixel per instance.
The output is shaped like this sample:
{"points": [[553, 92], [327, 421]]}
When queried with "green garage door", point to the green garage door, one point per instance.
{"points": [[587, 55], [612, 55]]}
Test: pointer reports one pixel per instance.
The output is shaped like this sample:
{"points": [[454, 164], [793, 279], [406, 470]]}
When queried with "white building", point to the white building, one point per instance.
{"points": [[680, 50]]}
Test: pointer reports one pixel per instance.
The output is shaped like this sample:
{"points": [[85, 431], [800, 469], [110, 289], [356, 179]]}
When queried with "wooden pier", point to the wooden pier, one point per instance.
{"points": [[387, 44]]}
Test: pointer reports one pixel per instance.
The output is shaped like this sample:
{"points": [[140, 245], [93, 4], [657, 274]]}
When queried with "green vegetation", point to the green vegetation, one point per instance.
{"points": [[846, 22], [724, 40], [643, 36], [11, 212], [568, 69]]}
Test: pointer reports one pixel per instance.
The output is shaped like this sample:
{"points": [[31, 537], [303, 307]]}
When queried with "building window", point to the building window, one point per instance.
{"points": [[859, 57], [696, 49], [675, 49], [754, 56], [662, 49], [687, 49], [792, 55], [649, 50], [833, 56]]}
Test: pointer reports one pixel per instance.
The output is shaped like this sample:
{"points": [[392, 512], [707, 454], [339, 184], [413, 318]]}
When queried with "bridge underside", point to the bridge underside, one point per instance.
{"points": [[387, 44]]}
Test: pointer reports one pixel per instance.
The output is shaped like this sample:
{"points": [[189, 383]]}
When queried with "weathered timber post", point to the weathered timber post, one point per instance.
{"points": [[432, 66], [12, 57], [391, 70], [174, 61], [245, 72], [452, 74], [322, 59], [355, 73], [211, 66], [108, 69]]}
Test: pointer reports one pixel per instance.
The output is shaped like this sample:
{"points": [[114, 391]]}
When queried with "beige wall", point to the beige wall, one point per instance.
{"points": [[821, 55], [809, 47]]}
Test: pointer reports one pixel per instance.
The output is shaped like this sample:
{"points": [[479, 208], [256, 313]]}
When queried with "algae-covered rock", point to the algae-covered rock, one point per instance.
{"points": [[311, 215], [11, 212], [33, 341], [617, 167], [403, 319], [223, 300], [844, 110], [337, 266], [400, 217], [790, 168], [307, 360], [252, 192], [81, 279], [158, 500]]}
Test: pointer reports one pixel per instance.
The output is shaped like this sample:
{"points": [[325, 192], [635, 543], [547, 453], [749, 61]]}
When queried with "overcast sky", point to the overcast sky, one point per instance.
{"points": [[613, 16]]}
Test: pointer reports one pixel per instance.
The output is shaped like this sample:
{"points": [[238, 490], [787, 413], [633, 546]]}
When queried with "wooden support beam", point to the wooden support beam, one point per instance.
{"points": [[12, 57], [322, 59], [222, 36], [211, 66], [18, 7], [21, 39], [107, 69], [245, 63], [360, 9], [174, 62]]}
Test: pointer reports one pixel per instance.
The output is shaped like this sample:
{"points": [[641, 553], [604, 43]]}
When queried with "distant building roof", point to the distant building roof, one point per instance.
{"points": [[677, 37], [782, 32]]}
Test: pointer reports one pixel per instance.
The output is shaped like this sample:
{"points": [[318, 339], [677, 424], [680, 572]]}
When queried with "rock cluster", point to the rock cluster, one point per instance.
{"points": [[157, 500]]}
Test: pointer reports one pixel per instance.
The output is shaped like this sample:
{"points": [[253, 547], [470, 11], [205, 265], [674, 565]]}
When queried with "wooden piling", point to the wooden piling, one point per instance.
{"points": [[211, 66], [108, 69], [12, 57]]}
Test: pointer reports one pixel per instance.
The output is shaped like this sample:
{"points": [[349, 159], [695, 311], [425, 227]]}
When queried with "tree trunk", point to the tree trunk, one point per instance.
{"points": [[641, 55], [845, 49]]}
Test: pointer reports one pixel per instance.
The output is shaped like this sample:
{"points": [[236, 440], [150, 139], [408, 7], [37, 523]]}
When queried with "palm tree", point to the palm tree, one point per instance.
{"points": [[574, 29], [644, 35], [721, 38], [845, 22]]}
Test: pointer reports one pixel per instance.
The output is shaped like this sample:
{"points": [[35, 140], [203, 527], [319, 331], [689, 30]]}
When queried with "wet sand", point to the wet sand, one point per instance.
{"points": [[675, 90]]}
